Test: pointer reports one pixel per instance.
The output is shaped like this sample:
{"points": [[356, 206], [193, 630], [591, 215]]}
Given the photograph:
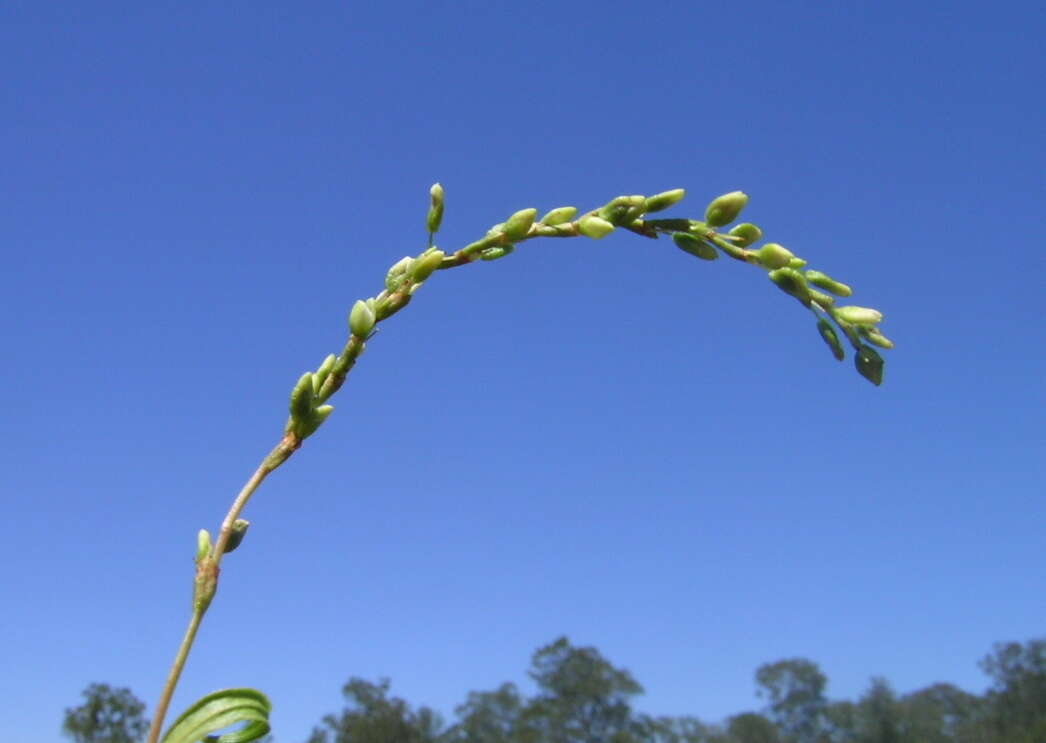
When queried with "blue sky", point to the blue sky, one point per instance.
{"points": [[612, 440]]}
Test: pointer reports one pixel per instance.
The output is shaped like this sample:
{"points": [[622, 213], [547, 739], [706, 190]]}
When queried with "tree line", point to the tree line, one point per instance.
{"points": [[580, 697]]}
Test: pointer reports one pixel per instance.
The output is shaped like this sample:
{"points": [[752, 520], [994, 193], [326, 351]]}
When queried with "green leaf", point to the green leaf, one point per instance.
{"points": [[219, 710], [828, 334], [869, 364], [694, 246]]}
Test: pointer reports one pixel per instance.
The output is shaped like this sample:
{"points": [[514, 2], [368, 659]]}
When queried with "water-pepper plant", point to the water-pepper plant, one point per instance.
{"points": [[247, 710]]}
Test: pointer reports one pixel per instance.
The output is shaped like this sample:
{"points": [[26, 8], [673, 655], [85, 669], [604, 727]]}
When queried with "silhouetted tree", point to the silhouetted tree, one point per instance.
{"points": [[373, 717], [107, 715], [795, 689]]}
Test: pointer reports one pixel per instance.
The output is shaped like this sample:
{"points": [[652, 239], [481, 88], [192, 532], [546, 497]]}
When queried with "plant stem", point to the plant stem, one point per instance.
{"points": [[175, 673], [287, 446]]}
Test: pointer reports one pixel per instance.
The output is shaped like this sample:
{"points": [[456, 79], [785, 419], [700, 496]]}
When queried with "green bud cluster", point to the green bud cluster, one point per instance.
{"points": [[813, 289], [700, 238], [306, 414], [398, 273]]}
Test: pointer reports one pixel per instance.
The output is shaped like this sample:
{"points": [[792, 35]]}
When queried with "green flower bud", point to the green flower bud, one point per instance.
{"points": [[859, 315], [205, 583], [323, 372], [829, 335], [236, 534], [361, 319], [471, 251], [308, 426], [694, 246], [492, 254], [636, 209], [796, 263], [594, 227], [826, 282], [398, 273], [869, 364], [203, 544], [559, 216], [791, 282], [614, 210], [390, 305], [661, 201], [773, 255], [302, 398], [748, 233], [875, 337], [821, 298], [726, 208], [435, 215], [425, 265], [623, 210], [518, 225]]}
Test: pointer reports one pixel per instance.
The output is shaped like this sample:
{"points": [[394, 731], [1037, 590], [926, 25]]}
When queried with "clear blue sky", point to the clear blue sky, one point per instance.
{"points": [[652, 454]]}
